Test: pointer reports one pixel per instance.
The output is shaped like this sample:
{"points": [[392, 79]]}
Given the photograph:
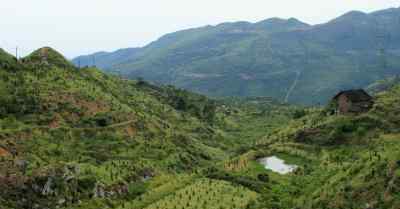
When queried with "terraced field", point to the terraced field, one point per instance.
{"points": [[206, 193]]}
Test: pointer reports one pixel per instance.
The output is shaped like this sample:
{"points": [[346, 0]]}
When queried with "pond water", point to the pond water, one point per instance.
{"points": [[277, 165]]}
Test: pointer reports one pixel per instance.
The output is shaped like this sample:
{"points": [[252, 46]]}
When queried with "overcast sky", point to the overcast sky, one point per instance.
{"points": [[76, 27]]}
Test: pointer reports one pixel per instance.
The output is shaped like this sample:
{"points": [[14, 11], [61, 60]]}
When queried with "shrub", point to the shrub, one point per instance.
{"points": [[299, 113], [263, 177]]}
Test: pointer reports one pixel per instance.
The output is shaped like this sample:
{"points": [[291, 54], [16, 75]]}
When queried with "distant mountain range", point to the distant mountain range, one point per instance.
{"points": [[281, 58]]}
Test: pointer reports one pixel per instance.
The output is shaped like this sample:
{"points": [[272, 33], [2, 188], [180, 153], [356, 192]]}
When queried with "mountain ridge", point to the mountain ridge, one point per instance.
{"points": [[246, 59]]}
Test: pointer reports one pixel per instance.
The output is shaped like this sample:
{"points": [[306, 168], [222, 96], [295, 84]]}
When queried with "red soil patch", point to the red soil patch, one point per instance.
{"points": [[130, 131], [4, 153], [55, 123], [79, 101]]}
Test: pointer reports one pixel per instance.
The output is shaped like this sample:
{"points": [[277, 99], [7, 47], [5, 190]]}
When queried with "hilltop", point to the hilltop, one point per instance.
{"points": [[286, 59], [47, 56]]}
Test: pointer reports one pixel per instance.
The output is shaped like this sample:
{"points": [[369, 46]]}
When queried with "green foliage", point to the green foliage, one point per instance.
{"points": [[118, 134], [207, 193], [86, 140], [7, 61], [136, 189], [299, 113], [270, 57], [45, 56]]}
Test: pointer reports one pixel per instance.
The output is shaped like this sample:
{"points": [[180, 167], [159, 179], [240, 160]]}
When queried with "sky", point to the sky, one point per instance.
{"points": [[77, 27]]}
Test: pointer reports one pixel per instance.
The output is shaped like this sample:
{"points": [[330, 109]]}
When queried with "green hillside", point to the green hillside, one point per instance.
{"points": [[284, 59], [383, 85], [105, 59], [80, 139], [74, 130], [345, 161], [69, 135]]}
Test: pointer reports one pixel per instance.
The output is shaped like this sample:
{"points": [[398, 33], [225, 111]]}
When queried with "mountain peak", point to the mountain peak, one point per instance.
{"points": [[48, 55], [389, 11], [352, 16], [278, 24], [273, 20]]}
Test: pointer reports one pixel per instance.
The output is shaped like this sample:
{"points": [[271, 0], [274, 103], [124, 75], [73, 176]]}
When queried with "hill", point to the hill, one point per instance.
{"points": [[288, 60], [7, 60], [82, 139], [68, 135], [78, 138], [344, 161], [383, 85], [47, 56]]}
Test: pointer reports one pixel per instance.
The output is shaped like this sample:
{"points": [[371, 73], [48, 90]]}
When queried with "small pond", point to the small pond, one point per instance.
{"points": [[277, 165]]}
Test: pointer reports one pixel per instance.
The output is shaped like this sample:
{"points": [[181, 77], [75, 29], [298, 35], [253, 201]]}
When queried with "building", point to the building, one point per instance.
{"points": [[352, 102]]}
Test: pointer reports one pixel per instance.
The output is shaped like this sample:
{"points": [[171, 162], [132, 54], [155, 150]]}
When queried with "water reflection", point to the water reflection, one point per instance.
{"points": [[277, 165]]}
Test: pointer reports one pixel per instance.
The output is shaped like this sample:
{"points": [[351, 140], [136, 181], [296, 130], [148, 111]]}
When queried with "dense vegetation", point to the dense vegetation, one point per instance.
{"points": [[79, 138], [69, 135], [284, 59]]}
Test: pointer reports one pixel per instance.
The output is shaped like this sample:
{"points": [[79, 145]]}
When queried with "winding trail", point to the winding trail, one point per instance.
{"points": [[46, 127], [298, 73]]}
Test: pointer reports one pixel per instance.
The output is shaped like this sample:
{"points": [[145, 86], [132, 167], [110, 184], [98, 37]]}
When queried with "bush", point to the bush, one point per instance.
{"points": [[263, 177], [361, 131], [299, 114]]}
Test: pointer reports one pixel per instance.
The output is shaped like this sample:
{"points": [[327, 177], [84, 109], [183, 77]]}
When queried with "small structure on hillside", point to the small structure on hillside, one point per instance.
{"points": [[352, 102]]}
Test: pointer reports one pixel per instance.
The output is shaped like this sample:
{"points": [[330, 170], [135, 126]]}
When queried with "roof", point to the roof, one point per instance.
{"points": [[358, 95]]}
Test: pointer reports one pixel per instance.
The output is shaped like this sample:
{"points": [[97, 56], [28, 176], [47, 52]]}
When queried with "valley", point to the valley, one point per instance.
{"points": [[79, 138]]}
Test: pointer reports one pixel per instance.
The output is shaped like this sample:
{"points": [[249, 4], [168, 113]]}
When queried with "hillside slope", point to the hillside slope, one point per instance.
{"points": [[82, 139], [105, 60], [284, 59], [345, 161], [68, 135]]}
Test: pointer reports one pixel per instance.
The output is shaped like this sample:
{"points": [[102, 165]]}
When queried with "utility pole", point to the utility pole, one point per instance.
{"points": [[79, 62], [16, 52]]}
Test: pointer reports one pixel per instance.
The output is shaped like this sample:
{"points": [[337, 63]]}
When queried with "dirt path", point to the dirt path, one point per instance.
{"points": [[298, 73]]}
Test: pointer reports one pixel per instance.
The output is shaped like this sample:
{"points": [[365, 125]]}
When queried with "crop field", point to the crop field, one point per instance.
{"points": [[206, 193]]}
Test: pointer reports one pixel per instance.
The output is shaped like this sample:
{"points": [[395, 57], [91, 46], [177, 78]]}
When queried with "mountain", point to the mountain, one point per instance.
{"points": [[106, 59], [282, 58]]}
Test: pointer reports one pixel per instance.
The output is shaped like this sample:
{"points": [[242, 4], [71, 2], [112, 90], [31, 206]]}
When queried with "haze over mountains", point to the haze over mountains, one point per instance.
{"points": [[282, 58]]}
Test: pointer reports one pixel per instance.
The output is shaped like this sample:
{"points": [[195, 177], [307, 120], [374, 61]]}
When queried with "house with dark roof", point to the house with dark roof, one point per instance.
{"points": [[352, 102]]}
